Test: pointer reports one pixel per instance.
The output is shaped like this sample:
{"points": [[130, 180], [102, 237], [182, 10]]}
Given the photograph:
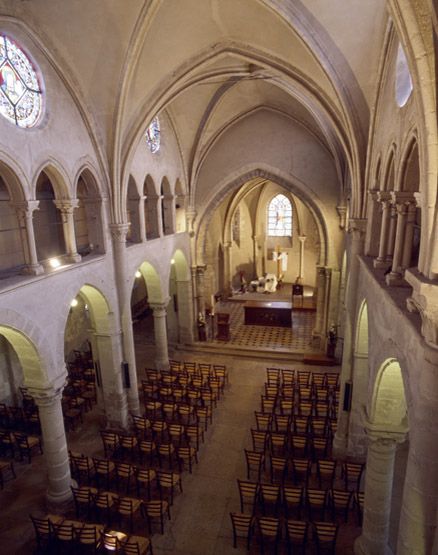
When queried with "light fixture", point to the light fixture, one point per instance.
{"points": [[137, 274], [54, 263], [172, 261], [74, 303]]}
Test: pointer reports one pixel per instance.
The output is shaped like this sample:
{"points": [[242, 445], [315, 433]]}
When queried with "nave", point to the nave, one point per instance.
{"points": [[200, 515]]}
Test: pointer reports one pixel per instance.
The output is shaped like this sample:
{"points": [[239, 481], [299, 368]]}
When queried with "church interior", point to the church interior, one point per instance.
{"points": [[219, 277]]}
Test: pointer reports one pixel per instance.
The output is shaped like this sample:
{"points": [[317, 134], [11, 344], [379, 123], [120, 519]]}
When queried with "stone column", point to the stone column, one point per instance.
{"points": [[25, 210], [378, 493], [200, 288], [409, 235], [381, 261], [255, 255], [300, 277], [391, 234], [169, 214], [160, 332], [401, 201], [54, 444], [227, 269], [118, 233], [66, 207], [374, 224], [318, 332], [185, 304], [356, 229], [160, 222]]}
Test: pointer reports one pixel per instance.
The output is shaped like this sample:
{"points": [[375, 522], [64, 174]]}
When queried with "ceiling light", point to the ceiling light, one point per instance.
{"points": [[74, 303], [137, 274]]}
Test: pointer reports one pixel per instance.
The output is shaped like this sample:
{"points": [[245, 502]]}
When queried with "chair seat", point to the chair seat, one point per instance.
{"points": [[85, 536], [33, 441], [136, 503], [142, 542]]}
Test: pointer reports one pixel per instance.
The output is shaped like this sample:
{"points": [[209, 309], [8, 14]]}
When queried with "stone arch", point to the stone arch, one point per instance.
{"points": [[410, 168], [388, 183], [180, 308], [153, 282], [290, 184], [88, 214], [135, 209], [58, 178], [14, 180], [388, 404]]}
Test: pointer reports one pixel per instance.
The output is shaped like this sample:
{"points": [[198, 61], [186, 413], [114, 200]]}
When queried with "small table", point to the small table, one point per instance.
{"points": [[265, 313]]}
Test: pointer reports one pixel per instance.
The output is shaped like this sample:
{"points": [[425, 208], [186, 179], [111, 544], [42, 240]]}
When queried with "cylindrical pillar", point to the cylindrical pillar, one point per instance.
{"points": [[401, 200], [55, 445], [66, 207], [185, 303], [380, 261], [300, 277], [378, 494], [227, 269], [160, 332], [391, 233], [142, 218], [320, 301], [25, 212], [118, 233], [200, 289], [374, 224]]}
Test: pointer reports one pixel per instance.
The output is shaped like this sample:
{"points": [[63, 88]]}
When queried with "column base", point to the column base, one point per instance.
{"points": [[396, 280], [73, 258], [59, 502], [33, 269], [381, 263], [361, 548]]}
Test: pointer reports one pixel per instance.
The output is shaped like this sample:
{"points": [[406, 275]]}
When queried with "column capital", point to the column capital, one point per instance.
{"points": [[374, 194], [46, 397], [200, 269], [342, 213], [119, 232], [385, 435], [227, 244], [66, 206], [159, 309], [357, 225], [383, 196], [302, 238], [402, 198], [25, 206]]}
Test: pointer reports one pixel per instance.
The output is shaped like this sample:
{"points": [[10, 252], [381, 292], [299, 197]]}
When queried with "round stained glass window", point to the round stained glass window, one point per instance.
{"points": [[153, 135], [20, 93]]}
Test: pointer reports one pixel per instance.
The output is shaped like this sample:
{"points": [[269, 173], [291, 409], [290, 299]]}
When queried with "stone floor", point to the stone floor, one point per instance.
{"points": [[200, 522]]}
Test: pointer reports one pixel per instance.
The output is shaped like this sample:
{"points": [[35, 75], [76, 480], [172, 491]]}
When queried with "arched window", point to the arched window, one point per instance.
{"points": [[20, 93], [280, 217], [403, 80], [153, 135]]}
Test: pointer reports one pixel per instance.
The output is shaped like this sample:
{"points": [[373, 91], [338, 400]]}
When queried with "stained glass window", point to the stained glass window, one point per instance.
{"points": [[280, 217], [153, 135], [20, 93]]}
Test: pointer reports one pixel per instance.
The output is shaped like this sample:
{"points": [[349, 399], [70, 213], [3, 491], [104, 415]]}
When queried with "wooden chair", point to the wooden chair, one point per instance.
{"points": [[159, 430], [303, 378], [296, 534], [301, 469], [320, 446], [89, 537], [325, 534], [318, 427], [268, 405], [156, 509], [340, 502], [167, 482], [6, 471], [147, 448], [166, 453], [204, 416], [124, 475], [145, 477], [82, 468], [287, 407], [305, 394], [305, 408], [288, 377], [273, 376], [352, 473], [194, 435], [104, 503], [316, 503], [186, 455], [282, 423], [110, 442], [137, 545], [269, 495], [243, 526], [27, 444], [104, 470], [278, 469], [263, 421], [84, 500], [259, 440], [142, 425], [254, 463], [318, 380], [269, 532], [293, 500], [359, 499], [65, 534], [278, 444], [127, 507], [7, 443], [332, 380], [326, 472], [248, 493], [299, 445], [44, 533], [301, 425]]}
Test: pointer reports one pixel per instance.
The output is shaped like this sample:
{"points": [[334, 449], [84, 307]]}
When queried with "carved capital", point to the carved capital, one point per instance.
{"points": [[384, 197], [342, 213], [66, 206], [402, 198], [25, 208], [119, 232]]}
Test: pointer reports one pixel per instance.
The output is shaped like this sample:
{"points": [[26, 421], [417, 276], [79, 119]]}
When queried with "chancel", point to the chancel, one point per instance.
{"points": [[218, 276]]}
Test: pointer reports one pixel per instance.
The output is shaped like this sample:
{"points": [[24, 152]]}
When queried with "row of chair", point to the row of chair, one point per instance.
{"points": [[19, 444], [286, 377], [296, 533], [294, 500], [56, 534]]}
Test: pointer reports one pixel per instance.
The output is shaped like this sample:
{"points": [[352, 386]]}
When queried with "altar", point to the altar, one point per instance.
{"points": [[267, 313]]}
